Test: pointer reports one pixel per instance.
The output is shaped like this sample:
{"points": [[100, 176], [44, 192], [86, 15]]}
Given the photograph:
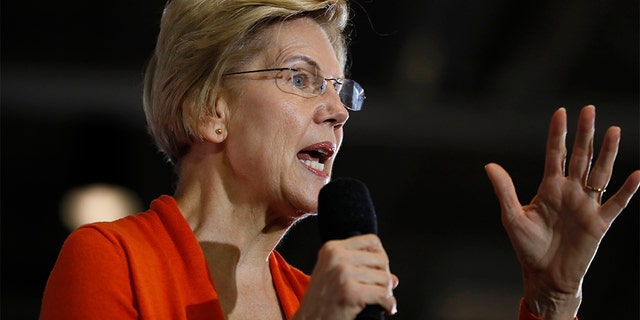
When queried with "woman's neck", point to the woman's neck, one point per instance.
{"points": [[221, 212]]}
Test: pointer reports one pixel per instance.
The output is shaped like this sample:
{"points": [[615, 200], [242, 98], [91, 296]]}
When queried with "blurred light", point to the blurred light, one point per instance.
{"points": [[97, 202]]}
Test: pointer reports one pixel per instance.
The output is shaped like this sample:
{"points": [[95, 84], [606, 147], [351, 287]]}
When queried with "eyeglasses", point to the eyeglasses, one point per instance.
{"points": [[302, 82]]}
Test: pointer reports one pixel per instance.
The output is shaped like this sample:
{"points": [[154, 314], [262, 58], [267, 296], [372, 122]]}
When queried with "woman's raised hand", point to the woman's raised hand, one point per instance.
{"points": [[557, 235]]}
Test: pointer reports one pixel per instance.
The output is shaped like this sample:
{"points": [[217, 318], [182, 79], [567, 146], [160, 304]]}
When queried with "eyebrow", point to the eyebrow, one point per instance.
{"points": [[308, 60]]}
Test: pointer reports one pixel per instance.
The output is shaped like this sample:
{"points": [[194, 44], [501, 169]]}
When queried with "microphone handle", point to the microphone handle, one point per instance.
{"points": [[371, 312]]}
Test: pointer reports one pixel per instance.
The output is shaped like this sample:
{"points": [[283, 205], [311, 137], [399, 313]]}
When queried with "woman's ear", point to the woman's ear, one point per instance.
{"points": [[213, 127]]}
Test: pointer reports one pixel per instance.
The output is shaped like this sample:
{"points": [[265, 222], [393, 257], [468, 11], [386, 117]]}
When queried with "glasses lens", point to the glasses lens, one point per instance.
{"points": [[301, 82], [352, 95]]}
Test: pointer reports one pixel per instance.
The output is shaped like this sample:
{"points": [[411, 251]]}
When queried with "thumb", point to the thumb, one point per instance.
{"points": [[503, 187]]}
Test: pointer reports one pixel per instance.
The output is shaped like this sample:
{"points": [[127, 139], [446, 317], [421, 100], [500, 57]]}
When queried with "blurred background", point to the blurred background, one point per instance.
{"points": [[451, 85]]}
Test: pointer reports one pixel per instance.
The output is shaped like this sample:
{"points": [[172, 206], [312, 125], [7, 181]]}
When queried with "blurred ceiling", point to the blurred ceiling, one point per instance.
{"points": [[460, 45], [424, 64]]}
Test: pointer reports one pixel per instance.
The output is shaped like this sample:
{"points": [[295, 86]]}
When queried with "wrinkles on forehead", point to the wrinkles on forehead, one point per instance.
{"points": [[286, 52]]}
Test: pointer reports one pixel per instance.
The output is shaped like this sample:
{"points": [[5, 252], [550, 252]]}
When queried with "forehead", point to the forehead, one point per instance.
{"points": [[301, 40]]}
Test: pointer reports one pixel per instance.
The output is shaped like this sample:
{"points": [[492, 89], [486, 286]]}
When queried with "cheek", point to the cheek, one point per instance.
{"points": [[286, 116], [266, 115], [267, 131]]}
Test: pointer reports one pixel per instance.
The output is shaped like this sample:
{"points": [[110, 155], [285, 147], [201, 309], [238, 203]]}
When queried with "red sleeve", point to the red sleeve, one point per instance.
{"points": [[89, 265], [525, 314]]}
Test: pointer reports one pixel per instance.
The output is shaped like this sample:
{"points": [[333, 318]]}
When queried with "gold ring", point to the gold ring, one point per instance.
{"points": [[599, 190]]}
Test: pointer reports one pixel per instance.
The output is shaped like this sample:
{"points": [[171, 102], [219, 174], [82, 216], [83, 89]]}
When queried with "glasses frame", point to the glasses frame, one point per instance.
{"points": [[323, 88]]}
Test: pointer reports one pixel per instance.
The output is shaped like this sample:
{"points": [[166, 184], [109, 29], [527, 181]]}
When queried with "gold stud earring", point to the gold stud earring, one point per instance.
{"points": [[218, 131]]}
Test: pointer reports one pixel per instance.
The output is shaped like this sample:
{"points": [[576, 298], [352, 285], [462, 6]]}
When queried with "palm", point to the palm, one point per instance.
{"points": [[557, 234]]}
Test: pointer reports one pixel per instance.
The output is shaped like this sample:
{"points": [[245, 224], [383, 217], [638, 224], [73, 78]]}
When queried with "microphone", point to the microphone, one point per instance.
{"points": [[345, 209]]}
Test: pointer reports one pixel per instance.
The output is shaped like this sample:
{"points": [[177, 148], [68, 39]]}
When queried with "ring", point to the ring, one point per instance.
{"points": [[599, 190]]}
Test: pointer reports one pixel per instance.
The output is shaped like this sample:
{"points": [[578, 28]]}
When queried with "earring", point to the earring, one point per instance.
{"points": [[218, 131]]}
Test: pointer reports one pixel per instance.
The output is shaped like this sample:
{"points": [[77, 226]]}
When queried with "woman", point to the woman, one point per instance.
{"points": [[237, 99], [248, 100]]}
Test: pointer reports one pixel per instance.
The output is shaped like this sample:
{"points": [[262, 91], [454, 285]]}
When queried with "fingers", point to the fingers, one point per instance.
{"points": [[556, 145], [582, 152], [620, 199], [601, 172], [395, 281], [366, 294], [357, 270], [361, 252]]}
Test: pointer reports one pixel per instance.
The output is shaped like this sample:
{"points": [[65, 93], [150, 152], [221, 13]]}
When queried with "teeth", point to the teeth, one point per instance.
{"points": [[314, 164]]}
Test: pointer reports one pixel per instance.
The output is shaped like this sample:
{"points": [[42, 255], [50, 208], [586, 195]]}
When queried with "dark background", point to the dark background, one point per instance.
{"points": [[451, 85]]}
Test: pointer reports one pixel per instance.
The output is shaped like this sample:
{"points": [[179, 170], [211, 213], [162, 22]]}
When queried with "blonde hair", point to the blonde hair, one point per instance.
{"points": [[199, 41]]}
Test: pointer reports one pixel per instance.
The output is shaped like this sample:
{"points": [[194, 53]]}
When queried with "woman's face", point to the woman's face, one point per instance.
{"points": [[281, 146]]}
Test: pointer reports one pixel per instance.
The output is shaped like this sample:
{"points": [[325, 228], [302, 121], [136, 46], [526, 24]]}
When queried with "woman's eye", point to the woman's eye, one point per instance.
{"points": [[300, 79]]}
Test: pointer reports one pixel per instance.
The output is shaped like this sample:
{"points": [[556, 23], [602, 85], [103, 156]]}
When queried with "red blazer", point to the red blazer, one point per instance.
{"points": [[148, 266]]}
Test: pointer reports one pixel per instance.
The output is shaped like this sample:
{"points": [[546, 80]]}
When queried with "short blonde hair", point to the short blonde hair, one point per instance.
{"points": [[199, 41]]}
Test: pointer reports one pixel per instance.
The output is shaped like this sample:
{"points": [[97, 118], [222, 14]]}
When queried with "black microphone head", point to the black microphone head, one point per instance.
{"points": [[345, 209]]}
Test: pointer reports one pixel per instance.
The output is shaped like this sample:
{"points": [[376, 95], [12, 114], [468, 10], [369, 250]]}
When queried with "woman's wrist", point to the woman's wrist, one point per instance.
{"points": [[551, 304], [553, 309]]}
